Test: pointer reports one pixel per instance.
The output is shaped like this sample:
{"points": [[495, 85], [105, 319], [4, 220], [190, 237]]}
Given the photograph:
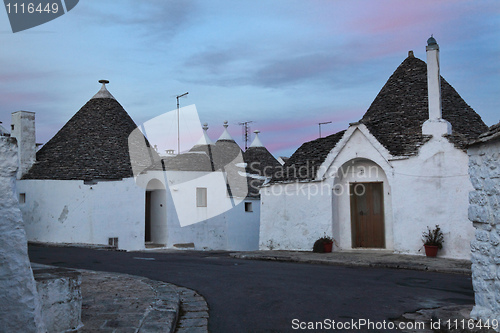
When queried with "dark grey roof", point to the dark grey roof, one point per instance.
{"points": [[395, 118], [260, 162], [396, 115], [306, 160], [226, 151], [92, 145], [493, 133]]}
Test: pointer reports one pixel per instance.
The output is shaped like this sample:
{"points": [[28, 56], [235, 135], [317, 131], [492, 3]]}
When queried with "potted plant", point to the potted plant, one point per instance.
{"points": [[433, 241], [323, 244]]}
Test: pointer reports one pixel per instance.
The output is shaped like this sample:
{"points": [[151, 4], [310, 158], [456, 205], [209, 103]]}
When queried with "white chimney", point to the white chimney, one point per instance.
{"points": [[23, 129], [435, 125]]}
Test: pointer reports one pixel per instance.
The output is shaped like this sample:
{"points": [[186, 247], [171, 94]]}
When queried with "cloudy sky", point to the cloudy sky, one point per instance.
{"points": [[286, 65]]}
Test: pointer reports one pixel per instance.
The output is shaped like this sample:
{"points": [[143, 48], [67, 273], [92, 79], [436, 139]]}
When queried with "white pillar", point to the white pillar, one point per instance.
{"points": [[435, 125], [433, 79], [23, 129]]}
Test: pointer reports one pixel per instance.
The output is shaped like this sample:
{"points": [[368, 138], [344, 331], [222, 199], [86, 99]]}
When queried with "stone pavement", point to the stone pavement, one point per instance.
{"points": [[124, 303], [364, 258]]}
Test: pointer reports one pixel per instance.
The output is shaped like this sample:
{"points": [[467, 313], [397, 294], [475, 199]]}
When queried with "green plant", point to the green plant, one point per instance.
{"points": [[318, 246], [433, 237]]}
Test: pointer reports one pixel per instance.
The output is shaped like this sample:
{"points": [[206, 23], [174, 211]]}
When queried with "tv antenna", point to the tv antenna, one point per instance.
{"points": [[319, 125], [245, 129], [178, 130]]}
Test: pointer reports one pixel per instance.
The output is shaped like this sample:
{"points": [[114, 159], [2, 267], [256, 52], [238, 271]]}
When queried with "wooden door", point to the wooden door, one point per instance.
{"points": [[147, 231], [367, 214]]}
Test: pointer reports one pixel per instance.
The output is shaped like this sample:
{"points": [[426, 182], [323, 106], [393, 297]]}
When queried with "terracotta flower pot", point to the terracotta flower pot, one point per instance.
{"points": [[327, 247], [431, 250]]}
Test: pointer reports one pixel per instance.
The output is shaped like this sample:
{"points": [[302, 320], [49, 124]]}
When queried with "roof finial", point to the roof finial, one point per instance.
{"points": [[225, 134], [103, 92], [410, 54], [205, 127], [256, 141]]}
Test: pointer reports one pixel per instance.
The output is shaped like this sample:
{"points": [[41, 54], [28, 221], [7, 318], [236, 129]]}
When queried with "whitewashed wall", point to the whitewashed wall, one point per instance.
{"points": [[484, 212], [222, 225], [69, 211], [432, 188], [295, 215], [19, 303]]}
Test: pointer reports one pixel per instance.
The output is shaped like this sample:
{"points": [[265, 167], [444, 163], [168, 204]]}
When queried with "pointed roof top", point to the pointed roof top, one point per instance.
{"points": [[396, 115], [103, 92], [92, 145], [225, 135], [256, 141], [259, 160], [205, 139]]}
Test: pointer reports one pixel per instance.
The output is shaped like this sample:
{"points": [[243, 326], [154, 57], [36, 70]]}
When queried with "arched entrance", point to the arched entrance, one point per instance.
{"points": [[361, 206], [155, 231]]}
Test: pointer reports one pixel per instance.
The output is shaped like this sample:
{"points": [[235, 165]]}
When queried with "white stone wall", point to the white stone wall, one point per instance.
{"points": [[295, 215], [428, 189], [69, 211], [222, 225], [484, 212], [24, 131], [20, 310]]}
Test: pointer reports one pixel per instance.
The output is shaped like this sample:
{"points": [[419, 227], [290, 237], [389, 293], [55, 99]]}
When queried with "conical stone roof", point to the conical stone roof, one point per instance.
{"points": [[92, 145], [396, 115]]}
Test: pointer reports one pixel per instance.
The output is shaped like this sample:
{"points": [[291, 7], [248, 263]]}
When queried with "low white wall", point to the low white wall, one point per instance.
{"points": [[69, 211], [484, 212], [295, 215], [20, 309]]}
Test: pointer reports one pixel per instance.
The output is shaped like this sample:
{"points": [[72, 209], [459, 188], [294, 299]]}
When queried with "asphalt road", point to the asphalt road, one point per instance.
{"points": [[263, 296]]}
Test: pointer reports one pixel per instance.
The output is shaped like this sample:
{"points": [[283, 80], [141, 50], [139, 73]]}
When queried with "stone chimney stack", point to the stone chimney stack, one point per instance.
{"points": [[435, 125], [23, 129]]}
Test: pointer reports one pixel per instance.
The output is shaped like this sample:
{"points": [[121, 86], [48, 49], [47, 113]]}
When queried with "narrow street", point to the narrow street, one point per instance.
{"points": [[262, 296]]}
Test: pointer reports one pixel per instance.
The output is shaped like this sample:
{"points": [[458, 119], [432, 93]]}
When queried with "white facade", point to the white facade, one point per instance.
{"points": [[70, 211], [424, 190], [224, 223]]}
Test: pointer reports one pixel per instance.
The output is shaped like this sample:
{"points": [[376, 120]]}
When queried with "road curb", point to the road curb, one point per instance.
{"points": [[410, 264]]}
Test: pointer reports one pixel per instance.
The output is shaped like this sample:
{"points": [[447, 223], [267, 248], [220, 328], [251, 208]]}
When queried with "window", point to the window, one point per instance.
{"points": [[22, 198], [201, 197], [113, 241], [248, 207]]}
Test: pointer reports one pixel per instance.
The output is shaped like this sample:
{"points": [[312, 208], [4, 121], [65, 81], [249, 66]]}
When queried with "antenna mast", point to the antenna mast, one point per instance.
{"points": [[245, 129], [319, 125], [178, 130]]}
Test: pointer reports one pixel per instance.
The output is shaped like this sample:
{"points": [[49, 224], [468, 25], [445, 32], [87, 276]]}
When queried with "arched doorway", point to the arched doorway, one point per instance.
{"points": [[155, 228], [362, 207]]}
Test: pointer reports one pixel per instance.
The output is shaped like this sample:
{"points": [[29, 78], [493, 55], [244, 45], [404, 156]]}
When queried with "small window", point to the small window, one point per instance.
{"points": [[248, 207], [201, 197], [113, 241], [22, 198]]}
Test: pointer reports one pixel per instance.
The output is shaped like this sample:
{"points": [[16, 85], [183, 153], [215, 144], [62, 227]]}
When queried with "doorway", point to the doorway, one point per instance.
{"points": [[367, 215], [155, 219]]}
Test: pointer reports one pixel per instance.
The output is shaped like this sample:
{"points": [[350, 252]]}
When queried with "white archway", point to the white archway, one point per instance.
{"points": [[357, 175]]}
